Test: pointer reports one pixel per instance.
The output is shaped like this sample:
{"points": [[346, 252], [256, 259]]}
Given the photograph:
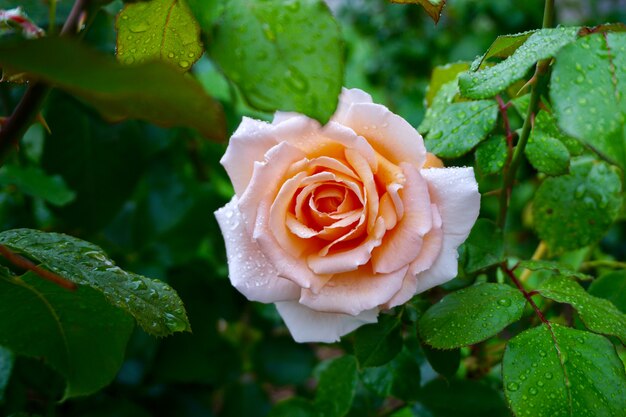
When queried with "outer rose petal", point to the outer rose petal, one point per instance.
{"points": [[307, 325], [355, 291], [248, 269], [391, 135], [455, 192], [248, 144]]}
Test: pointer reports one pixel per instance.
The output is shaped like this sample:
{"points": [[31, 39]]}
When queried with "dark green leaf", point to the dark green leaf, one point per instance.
{"points": [[488, 82], [462, 398], [283, 54], [598, 314], [378, 379], [587, 89], [471, 315], [33, 181], [484, 246], [565, 372], [545, 124], [337, 387], [491, 155], [611, 286], [293, 407], [572, 211], [154, 304], [444, 362], [442, 75], [399, 378], [554, 267], [378, 343], [78, 333], [460, 127], [432, 7], [547, 154], [158, 29], [152, 91], [6, 366]]}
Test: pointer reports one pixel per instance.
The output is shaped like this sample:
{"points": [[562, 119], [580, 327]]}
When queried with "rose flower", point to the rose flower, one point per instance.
{"points": [[335, 223]]}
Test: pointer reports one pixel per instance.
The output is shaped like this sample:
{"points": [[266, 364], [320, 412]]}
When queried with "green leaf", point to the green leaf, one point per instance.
{"points": [[78, 333], [544, 43], [565, 372], [337, 386], [432, 7], [35, 182], [505, 45], [154, 304], [6, 366], [444, 362], [293, 407], [152, 91], [545, 124], [547, 154], [554, 267], [378, 343], [282, 362], [440, 102], [575, 210], [462, 398], [611, 286], [598, 314], [471, 315], [283, 54], [484, 246], [399, 378], [158, 29], [587, 89], [443, 74], [460, 127], [491, 155]]}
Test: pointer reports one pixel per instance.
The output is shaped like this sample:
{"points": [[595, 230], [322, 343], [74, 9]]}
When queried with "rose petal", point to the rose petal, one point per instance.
{"points": [[402, 245], [431, 247], [248, 269], [346, 99], [389, 134], [249, 143], [455, 192], [354, 292], [347, 260], [307, 325]]}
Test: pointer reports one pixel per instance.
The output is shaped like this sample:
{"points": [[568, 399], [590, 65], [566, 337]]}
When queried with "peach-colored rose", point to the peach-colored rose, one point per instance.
{"points": [[335, 223]]}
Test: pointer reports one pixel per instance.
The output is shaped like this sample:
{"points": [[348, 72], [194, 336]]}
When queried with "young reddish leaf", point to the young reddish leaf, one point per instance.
{"points": [[432, 7]]}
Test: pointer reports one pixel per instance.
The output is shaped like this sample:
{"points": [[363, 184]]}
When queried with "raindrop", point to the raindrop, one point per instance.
{"points": [[512, 386], [184, 64], [174, 323], [139, 27], [269, 33], [170, 55], [533, 391], [504, 302], [296, 80]]}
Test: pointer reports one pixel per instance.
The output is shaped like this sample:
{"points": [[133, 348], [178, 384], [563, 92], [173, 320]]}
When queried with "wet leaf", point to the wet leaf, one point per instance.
{"points": [[154, 304], [471, 315], [282, 54], [35, 182], [158, 29], [581, 375], [611, 286], [378, 343], [505, 45], [554, 267], [443, 74], [544, 43], [598, 314], [588, 87], [572, 211], [484, 246], [442, 99], [491, 155], [547, 154], [461, 127]]}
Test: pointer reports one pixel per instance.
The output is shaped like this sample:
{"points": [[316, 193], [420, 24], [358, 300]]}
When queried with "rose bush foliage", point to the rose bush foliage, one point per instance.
{"points": [[335, 223]]}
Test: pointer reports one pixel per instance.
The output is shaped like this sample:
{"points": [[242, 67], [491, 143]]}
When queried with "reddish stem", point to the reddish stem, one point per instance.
{"points": [[24, 263]]}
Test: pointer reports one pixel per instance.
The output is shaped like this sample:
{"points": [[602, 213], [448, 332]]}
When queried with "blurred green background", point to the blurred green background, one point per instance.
{"points": [[146, 195]]}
